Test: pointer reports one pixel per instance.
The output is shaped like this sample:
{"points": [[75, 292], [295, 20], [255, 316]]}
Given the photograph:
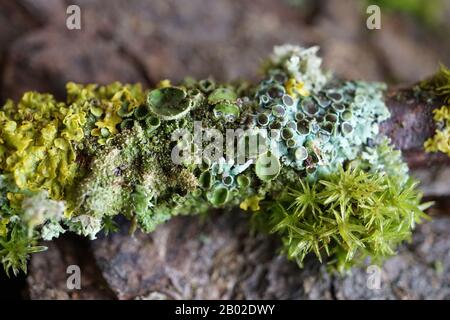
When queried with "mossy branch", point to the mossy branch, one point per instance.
{"points": [[322, 174]]}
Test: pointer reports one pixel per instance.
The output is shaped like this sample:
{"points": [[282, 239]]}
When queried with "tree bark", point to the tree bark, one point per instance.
{"points": [[410, 125]]}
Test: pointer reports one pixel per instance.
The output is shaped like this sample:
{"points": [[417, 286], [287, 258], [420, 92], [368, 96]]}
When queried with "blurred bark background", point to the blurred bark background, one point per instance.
{"points": [[146, 41]]}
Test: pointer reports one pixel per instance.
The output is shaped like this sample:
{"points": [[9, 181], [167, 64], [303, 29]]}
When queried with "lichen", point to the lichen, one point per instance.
{"points": [[106, 106], [351, 215], [37, 138]]}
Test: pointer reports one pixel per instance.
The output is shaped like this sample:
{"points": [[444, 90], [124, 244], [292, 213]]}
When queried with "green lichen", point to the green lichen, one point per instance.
{"points": [[382, 158], [308, 172]]}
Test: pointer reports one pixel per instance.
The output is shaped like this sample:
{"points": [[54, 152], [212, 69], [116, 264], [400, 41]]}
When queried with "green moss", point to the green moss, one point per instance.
{"points": [[37, 138], [16, 248], [438, 84]]}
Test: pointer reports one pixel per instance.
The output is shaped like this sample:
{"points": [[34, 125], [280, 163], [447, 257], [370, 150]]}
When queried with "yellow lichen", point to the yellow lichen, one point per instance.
{"points": [[439, 85], [37, 138], [442, 114], [294, 88], [110, 121]]}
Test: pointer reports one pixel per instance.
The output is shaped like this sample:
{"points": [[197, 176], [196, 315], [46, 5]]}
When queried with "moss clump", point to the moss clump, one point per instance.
{"points": [[106, 107], [300, 162]]}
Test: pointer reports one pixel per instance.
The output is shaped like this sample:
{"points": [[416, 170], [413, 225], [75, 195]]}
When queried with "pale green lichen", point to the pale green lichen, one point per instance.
{"points": [[383, 158]]}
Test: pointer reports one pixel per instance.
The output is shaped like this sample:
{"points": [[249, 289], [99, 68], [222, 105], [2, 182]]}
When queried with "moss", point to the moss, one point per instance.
{"points": [[37, 138], [439, 84]]}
